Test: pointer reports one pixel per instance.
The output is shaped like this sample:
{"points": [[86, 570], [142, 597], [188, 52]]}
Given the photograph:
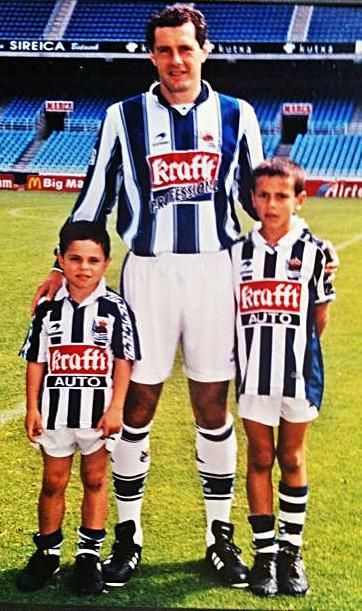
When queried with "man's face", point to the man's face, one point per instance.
{"points": [[178, 58]]}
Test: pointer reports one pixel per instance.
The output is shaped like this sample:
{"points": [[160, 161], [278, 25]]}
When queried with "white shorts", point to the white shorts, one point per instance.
{"points": [[64, 442], [186, 299], [269, 410]]}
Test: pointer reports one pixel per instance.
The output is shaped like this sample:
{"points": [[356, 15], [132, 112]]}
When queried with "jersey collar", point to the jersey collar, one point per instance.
{"points": [[298, 228], [99, 291], [155, 90]]}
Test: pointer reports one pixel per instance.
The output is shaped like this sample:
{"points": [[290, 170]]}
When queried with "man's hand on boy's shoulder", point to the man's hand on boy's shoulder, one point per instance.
{"points": [[48, 288]]}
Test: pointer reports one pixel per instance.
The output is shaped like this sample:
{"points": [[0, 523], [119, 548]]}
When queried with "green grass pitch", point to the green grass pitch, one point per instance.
{"points": [[173, 573]]}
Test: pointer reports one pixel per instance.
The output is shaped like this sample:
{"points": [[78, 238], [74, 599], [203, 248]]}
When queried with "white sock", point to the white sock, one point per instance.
{"points": [[216, 462], [130, 466]]}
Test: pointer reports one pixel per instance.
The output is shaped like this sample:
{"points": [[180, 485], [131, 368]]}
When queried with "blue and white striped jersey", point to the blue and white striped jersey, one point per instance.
{"points": [[277, 289], [176, 177], [79, 344]]}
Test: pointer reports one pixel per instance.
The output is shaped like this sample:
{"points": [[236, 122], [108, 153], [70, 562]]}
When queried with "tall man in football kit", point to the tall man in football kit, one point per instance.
{"points": [[173, 159]]}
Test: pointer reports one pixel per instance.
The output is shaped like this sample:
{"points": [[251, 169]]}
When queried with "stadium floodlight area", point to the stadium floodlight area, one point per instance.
{"points": [[336, 155]]}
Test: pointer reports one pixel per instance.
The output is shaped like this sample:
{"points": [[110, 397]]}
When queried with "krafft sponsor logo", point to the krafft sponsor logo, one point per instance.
{"points": [[270, 296], [182, 168], [53, 183], [78, 359], [337, 188]]}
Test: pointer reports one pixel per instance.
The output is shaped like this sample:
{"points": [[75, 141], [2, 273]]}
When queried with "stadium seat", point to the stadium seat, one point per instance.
{"points": [[333, 24], [329, 155], [124, 21], [13, 143], [64, 152], [22, 19]]}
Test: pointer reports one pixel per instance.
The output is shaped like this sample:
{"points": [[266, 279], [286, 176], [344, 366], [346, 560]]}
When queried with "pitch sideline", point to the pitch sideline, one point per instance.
{"points": [[10, 414]]}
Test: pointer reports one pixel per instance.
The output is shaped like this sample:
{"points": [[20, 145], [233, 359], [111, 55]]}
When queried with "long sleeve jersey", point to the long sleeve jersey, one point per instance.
{"points": [[175, 175]]}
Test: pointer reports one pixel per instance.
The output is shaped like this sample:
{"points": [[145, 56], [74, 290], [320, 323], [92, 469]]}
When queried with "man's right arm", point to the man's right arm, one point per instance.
{"points": [[98, 194]]}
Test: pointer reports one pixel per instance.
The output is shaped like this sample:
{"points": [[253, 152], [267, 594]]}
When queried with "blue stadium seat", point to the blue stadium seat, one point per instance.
{"points": [[21, 112], [335, 23], [13, 143], [24, 18], [124, 21], [270, 144], [64, 151], [329, 155]]}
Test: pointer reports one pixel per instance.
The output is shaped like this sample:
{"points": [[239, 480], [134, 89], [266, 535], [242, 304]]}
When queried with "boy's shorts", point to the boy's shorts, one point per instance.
{"points": [[64, 442], [269, 410], [186, 299]]}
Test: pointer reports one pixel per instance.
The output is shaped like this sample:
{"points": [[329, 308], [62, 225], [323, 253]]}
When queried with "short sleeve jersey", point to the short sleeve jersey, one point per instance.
{"points": [[277, 289], [79, 343]]}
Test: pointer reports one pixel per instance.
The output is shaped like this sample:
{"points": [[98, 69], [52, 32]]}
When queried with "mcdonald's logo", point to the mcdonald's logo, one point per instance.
{"points": [[34, 183]]}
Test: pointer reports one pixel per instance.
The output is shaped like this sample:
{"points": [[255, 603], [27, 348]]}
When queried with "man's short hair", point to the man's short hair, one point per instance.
{"points": [[174, 16], [84, 230], [281, 166]]}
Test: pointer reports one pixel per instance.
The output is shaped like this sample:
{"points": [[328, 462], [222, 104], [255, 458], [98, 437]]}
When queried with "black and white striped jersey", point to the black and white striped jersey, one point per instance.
{"points": [[176, 177], [79, 343], [277, 289]]}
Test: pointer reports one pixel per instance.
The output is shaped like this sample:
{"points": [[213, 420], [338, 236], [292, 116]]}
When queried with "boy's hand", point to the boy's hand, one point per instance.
{"points": [[48, 288], [33, 424], [111, 421]]}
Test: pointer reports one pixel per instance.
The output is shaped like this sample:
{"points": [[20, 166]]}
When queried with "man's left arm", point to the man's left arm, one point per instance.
{"points": [[250, 155]]}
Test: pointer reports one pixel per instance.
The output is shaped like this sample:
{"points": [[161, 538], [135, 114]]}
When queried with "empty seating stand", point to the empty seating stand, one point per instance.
{"points": [[24, 18], [13, 143], [335, 23], [21, 112], [124, 21], [64, 152], [335, 155]]}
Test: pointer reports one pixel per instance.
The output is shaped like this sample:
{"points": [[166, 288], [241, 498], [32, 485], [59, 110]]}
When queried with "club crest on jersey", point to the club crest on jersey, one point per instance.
{"points": [[270, 301], [182, 176], [293, 267], [208, 139], [100, 329]]}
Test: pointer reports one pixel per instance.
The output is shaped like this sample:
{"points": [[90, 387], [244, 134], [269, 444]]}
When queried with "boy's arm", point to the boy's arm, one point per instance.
{"points": [[34, 378], [111, 421], [321, 317]]}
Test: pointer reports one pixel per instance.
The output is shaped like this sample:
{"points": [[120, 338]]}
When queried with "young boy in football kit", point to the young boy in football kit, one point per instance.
{"points": [[283, 303], [80, 349]]}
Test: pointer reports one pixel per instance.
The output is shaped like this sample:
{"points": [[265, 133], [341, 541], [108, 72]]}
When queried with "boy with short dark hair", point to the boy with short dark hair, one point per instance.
{"points": [[283, 303], [80, 349]]}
